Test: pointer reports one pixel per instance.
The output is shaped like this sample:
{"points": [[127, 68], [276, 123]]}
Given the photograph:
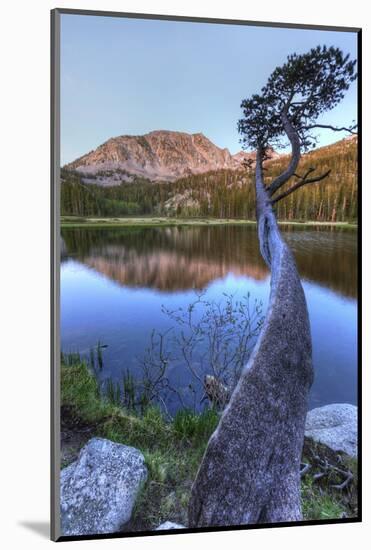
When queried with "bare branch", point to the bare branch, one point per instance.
{"points": [[300, 183], [305, 467], [345, 483], [309, 171], [350, 129]]}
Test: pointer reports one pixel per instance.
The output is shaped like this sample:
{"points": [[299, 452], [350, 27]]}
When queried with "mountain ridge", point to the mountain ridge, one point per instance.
{"points": [[166, 156], [222, 193], [160, 155]]}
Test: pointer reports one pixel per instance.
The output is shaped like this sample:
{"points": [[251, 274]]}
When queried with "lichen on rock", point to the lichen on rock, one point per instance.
{"points": [[99, 489]]}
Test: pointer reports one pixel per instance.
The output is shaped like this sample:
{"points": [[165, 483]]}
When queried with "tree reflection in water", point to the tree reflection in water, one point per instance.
{"points": [[181, 258]]}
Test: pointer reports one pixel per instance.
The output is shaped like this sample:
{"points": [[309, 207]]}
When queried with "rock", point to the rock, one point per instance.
{"points": [[169, 525], [99, 490], [334, 426], [159, 155]]}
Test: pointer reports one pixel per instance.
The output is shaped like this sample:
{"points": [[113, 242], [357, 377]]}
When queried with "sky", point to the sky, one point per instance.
{"points": [[131, 76]]}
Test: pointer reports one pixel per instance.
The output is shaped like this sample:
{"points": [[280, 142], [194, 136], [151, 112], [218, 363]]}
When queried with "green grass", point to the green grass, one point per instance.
{"points": [[172, 450], [71, 221], [320, 499], [318, 504]]}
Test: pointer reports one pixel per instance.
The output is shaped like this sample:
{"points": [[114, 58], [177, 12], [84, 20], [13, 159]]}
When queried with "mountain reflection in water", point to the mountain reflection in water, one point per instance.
{"points": [[172, 259], [115, 281]]}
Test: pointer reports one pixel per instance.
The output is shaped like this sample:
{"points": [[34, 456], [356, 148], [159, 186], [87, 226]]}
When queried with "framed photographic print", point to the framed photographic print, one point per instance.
{"points": [[205, 280]]}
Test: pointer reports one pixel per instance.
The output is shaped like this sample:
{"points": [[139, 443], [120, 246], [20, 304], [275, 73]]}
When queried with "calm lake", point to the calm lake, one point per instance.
{"points": [[115, 283]]}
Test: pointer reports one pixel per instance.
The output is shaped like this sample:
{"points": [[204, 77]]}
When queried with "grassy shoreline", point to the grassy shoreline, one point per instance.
{"points": [[173, 450], [71, 221]]}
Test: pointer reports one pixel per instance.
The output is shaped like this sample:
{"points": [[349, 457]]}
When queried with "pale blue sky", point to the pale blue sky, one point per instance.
{"points": [[130, 76]]}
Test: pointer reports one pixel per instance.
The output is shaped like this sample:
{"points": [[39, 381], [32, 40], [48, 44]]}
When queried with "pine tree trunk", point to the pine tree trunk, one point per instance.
{"points": [[250, 472]]}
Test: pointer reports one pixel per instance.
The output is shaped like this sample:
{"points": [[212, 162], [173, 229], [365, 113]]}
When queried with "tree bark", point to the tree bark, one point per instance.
{"points": [[295, 155], [250, 472]]}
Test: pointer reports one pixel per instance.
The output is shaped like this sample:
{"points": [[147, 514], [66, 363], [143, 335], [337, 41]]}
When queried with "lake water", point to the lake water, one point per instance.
{"points": [[116, 281]]}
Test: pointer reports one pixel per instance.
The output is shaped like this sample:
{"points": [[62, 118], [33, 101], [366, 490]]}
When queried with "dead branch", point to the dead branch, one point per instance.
{"points": [[327, 469], [350, 129], [345, 483], [309, 171], [305, 468], [303, 181]]}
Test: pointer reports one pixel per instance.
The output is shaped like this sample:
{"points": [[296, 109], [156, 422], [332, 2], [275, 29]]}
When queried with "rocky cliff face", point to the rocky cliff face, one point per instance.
{"points": [[159, 155]]}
